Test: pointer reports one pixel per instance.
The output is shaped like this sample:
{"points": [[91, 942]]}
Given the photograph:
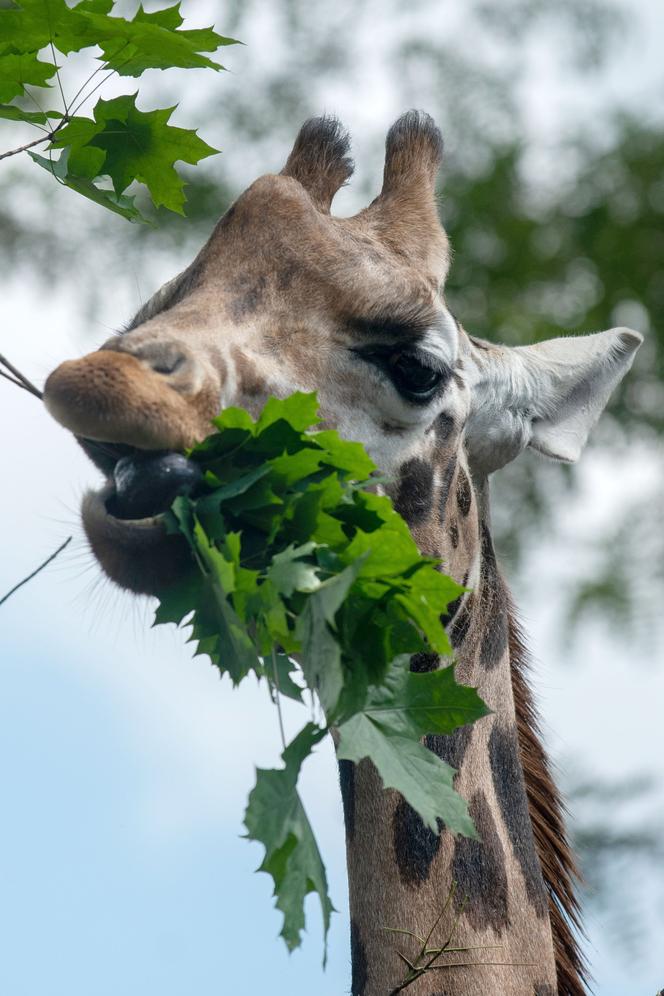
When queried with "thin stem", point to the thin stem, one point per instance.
{"points": [[471, 947], [482, 964], [35, 572], [94, 89], [406, 961], [450, 897], [277, 698], [417, 970], [455, 923], [53, 165], [26, 384], [30, 95], [100, 69], [57, 76], [408, 933], [80, 90]]}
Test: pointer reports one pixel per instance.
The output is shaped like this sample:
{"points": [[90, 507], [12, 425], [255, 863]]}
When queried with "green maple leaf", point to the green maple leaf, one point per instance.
{"points": [[316, 629], [344, 454], [299, 410], [21, 69], [12, 113], [237, 653], [31, 25], [276, 818], [283, 682], [127, 144], [408, 766], [415, 704], [148, 41], [290, 572], [396, 715], [424, 596], [118, 203], [154, 41]]}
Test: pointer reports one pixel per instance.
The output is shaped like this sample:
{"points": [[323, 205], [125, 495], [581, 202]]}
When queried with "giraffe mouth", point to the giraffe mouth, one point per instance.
{"points": [[142, 484], [124, 519]]}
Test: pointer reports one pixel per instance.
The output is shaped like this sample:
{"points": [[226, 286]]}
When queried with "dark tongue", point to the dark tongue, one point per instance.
{"points": [[147, 483]]}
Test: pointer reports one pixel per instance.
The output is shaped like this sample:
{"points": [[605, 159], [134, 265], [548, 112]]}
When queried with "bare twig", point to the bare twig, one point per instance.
{"points": [[408, 933], [35, 572], [19, 379], [8, 377], [23, 148], [482, 964]]}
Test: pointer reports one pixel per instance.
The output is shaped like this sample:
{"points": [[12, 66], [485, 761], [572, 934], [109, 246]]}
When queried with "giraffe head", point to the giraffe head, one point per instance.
{"points": [[285, 297]]}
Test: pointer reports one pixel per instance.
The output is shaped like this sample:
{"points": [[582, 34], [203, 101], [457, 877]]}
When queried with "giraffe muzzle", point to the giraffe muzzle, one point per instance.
{"points": [[115, 397]]}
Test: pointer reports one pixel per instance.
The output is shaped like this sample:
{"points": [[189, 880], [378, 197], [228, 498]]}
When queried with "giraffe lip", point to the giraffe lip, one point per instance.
{"points": [[137, 554]]}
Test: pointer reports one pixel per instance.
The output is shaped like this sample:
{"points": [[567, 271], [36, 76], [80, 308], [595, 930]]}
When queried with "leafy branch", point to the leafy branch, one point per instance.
{"points": [[300, 569], [120, 143]]}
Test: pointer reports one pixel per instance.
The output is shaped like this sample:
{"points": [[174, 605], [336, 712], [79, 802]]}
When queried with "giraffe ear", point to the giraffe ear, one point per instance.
{"points": [[547, 396]]}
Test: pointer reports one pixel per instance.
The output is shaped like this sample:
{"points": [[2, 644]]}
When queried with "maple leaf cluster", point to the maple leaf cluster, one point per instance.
{"points": [[101, 156]]}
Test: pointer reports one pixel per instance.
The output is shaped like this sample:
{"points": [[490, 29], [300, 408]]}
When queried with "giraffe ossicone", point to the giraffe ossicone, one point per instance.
{"points": [[285, 296]]}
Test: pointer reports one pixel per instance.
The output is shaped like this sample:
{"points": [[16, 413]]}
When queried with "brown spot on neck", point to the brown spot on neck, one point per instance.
{"points": [[478, 868], [414, 497]]}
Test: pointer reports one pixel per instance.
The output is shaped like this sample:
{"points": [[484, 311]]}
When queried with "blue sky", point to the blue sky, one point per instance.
{"points": [[97, 899]]}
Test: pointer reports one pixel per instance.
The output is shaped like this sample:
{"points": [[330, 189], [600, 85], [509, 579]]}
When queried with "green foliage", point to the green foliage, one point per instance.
{"points": [[276, 817], [122, 205], [127, 144], [301, 569], [119, 141]]}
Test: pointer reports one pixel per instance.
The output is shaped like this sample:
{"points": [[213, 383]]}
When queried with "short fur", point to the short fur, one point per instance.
{"points": [[320, 159], [413, 149]]}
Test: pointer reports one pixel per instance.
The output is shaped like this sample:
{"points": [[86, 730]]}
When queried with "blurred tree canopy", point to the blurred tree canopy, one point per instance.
{"points": [[577, 247]]}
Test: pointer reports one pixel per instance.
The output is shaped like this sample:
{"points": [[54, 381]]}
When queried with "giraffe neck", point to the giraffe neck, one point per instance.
{"points": [[488, 896]]}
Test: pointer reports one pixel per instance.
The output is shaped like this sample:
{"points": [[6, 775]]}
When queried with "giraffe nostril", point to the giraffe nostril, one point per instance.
{"points": [[162, 356], [168, 365], [165, 358]]}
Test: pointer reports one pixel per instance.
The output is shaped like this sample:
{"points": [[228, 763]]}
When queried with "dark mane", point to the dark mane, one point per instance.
{"points": [[547, 814]]}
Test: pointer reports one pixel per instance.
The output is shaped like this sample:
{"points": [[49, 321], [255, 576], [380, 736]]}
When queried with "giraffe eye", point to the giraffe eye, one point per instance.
{"points": [[412, 378]]}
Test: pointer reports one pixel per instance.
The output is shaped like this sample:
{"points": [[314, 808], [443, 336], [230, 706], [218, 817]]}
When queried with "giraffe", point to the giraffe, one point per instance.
{"points": [[283, 297]]}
